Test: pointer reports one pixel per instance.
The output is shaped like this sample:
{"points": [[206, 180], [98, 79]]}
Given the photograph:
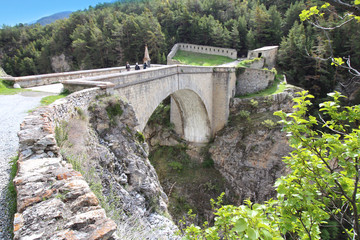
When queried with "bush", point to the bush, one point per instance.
{"points": [[176, 166]]}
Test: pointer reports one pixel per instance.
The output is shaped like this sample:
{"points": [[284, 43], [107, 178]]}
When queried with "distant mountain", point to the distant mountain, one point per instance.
{"points": [[52, 18]]}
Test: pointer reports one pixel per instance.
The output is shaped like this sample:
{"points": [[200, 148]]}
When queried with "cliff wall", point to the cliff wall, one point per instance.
{"points": [[249, 151], [77, 168]]}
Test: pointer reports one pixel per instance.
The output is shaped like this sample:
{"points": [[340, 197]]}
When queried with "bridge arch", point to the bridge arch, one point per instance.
{"points": [[192, 118], [189, 115]]}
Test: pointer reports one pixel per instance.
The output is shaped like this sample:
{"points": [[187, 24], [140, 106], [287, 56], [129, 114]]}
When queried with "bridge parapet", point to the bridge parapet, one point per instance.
{"points": [[45, 79]]}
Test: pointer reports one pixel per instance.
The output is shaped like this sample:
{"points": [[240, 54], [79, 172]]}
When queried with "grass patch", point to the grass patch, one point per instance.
{"points": [[200, 59], [50, 99], [277, 87], [11, 192], [7, 89]]}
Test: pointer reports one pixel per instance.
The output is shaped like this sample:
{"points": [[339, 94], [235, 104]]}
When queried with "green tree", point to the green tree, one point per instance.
{"points": [[323, 181], [324, 177]]}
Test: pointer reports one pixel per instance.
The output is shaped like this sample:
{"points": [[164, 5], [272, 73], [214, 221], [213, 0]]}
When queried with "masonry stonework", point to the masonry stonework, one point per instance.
{"points": [[268, 53], [226, 52], [253, 80], [206, 89]]}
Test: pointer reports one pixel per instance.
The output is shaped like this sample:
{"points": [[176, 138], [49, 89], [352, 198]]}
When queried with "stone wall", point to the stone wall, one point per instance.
{"points": [[226, 52], [45, 79], [268, 53], [258, 63], [250, 80], [53, 200]]}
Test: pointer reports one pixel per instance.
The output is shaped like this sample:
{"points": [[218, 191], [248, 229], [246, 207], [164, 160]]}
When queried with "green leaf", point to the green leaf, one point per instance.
{"points": [[252, 234], [240, 225]]}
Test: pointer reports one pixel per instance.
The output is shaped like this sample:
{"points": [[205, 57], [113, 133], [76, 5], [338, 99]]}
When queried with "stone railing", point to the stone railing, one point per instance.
{"points": [[116, 81], [45, 79], [53, 200], [226, 52]]}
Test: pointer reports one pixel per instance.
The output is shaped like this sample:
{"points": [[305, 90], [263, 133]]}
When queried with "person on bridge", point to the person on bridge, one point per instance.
{"points": [[145, 65], [127, 66], [137, 67]]}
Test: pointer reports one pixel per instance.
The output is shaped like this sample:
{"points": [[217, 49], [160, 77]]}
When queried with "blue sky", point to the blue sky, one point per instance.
{"points": [[13, 12]]}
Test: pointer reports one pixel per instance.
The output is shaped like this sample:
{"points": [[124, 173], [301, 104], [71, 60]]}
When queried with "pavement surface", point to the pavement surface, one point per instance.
{"points": [[13, 109], [53, 88]]}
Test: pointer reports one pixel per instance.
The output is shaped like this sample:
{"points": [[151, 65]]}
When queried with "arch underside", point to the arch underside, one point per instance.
{"points": [[193, 121]]}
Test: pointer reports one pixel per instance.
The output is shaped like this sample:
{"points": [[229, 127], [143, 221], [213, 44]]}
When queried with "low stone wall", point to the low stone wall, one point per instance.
{"points": [[258, 63], [268, 53], [250, 80], [54, 201], [45, 79], [226, 52]]}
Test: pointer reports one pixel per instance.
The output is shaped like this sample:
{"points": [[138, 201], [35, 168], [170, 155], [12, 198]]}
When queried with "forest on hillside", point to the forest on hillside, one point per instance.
{"points": [[110, 34]]}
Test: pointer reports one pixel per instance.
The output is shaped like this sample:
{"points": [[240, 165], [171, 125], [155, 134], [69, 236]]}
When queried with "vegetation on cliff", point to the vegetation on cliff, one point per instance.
{"points": [[322, 186]]}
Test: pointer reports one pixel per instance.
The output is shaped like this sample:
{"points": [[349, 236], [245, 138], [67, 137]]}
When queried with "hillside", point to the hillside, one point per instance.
{"points": [[52, 18], [111, 34]]}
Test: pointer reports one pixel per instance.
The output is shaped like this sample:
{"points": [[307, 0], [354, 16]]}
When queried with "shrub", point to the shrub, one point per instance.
{"points": [[113, 110], [61, 133], [140, 137], [176, 166], [244, 114], [269, 123]]}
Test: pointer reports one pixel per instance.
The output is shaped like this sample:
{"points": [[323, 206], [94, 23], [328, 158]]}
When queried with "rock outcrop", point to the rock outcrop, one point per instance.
{"points": [[53, 200], [3, 73], [59, 198], [249, 151], [126, 170]]}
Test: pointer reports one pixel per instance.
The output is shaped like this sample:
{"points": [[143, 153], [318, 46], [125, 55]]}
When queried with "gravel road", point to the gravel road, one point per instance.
{"points": [[13, 109]]}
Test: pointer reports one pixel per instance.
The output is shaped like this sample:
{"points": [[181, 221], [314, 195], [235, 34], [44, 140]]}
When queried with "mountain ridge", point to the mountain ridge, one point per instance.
{"points": [[52, 18]]}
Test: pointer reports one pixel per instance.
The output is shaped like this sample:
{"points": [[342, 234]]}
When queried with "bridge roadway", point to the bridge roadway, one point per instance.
{"points": [[199, 95]]}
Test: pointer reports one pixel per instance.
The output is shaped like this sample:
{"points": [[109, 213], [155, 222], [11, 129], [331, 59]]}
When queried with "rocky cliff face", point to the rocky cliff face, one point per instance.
{"points": [[249, 151], [113, 158]]}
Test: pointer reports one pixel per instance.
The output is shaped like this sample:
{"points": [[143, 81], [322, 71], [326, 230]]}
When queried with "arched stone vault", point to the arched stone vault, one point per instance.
{"points": [[192, 120], [200, 97]]}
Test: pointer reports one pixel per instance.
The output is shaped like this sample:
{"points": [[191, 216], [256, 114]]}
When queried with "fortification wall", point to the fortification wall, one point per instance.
{"points": [[250, 80], [226, 52], [54, 201], [268, 53]]}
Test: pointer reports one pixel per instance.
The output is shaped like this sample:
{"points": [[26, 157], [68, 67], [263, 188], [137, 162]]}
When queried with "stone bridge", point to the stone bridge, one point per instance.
{"points": [[199, 95]]}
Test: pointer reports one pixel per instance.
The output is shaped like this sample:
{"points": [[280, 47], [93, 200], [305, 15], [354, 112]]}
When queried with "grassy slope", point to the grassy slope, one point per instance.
{"points": [[6, 89], [50, 99], [200, 59]]}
